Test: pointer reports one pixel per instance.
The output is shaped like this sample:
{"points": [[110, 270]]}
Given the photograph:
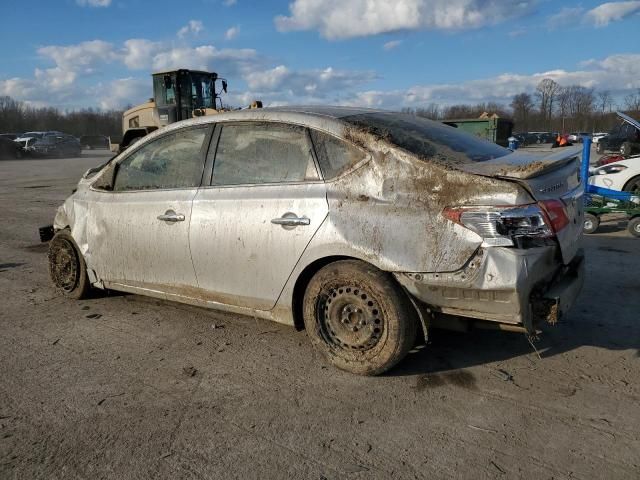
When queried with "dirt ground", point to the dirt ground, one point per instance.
{"points": [[126, 387]]}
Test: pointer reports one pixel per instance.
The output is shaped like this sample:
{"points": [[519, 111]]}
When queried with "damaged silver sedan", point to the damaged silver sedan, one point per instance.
{"points": [[364, 227]]}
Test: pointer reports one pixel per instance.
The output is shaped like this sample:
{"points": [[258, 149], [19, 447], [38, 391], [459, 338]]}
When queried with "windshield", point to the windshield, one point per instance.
{"points": [[202, 91], [32, 135], [426, 138]]}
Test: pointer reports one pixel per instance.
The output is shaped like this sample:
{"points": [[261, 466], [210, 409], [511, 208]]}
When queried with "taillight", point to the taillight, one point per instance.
{"points": [[504, 226], [557, 214]]}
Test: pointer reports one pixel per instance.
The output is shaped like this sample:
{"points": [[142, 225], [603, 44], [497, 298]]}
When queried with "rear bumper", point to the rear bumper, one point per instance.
{"points": [[504, 285]]}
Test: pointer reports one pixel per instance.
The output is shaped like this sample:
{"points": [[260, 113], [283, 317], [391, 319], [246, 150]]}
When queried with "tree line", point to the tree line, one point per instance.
{"points": [[19, 117], [551, 108]]}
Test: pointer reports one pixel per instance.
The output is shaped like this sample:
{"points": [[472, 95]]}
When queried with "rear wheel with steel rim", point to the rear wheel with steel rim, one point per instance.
{"points": [[67, 269], [358, 317]]}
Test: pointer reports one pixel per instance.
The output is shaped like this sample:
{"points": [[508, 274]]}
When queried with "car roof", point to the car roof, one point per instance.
{"points": [[325, 118]]}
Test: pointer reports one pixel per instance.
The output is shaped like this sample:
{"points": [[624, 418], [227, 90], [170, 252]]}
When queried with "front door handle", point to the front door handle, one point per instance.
{"points": [[290, 220], [171, 216]]}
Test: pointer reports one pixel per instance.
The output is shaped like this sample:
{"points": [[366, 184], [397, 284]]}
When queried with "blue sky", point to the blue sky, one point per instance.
{"points": [[379, 53]]}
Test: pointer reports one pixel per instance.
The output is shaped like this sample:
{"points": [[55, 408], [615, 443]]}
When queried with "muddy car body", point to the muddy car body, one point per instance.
{"points": [[370, 206]]}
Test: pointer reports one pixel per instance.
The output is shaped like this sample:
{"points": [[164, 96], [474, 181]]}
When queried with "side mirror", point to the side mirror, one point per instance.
{"points": [[224, 86]]}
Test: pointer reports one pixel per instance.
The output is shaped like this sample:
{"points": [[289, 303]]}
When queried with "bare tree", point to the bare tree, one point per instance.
{"points": [[547, 92], [605, 101], [522, 105], [632, 101], [17, 117]]}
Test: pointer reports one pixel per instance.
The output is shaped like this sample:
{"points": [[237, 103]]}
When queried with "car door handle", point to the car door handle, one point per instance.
{"points": [[171, 216], [291, 221]]}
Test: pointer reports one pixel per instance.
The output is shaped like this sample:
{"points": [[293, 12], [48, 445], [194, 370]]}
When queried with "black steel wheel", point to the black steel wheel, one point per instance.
{"points": [[67, 269], [358, 317], [591, 223]]}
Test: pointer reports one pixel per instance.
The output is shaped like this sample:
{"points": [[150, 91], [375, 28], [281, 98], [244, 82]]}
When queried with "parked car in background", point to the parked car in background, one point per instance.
{"points": [[10, 136], [625, 138], [362, 226], [577, 137], [547, 137], [623, 175], [55, 146], [9, 149], [27, 139], [596, 137], [90, 142], [527, 138], [607, 159]]}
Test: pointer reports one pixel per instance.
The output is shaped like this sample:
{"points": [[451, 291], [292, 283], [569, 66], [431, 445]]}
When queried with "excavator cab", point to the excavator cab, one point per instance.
{"points": [[182, 94]]}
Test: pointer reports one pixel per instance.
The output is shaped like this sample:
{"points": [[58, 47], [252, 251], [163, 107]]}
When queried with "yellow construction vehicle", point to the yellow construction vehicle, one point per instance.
{"points": [[177, 95]]}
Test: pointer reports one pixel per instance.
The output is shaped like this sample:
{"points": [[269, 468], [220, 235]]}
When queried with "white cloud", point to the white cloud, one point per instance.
{"points": [[194, 27], [609, 12], [232, 33], [338, 19], [55, 78], [391, 45], [82, 56], [227, 61], [19, 88], [122, 92], [93, 3], [518, 32], [303, 83], [137, 53], [617, 73], [566, 16]]}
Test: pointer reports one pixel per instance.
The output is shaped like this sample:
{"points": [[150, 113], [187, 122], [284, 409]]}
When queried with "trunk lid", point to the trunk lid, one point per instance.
{"points": [[555, 176]]}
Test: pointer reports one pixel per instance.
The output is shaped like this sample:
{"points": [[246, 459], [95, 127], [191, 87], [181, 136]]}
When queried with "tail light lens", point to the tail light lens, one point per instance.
{"points": [[510, 226]]}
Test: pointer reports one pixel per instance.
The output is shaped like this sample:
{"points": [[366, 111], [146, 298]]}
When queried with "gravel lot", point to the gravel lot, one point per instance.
{"points": [[122, 386]]}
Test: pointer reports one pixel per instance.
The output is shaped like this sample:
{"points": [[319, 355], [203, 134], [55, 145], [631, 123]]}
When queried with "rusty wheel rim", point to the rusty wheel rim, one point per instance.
{"points": [[350, 319], [64, 265]]}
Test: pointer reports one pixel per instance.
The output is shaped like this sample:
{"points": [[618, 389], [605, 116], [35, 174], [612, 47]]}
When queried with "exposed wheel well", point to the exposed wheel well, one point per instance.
{"points": [[303, 281]]}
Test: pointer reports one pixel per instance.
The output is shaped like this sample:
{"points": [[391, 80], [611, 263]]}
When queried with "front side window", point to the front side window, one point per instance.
{"points": [[263, 153], [334, 155], [171, 161]]}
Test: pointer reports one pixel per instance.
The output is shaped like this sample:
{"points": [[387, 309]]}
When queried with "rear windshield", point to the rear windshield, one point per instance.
{"points": [[428, 139]]}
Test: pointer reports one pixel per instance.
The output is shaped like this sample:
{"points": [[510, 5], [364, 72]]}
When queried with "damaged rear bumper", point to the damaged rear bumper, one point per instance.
{"points": [[518, 287]]}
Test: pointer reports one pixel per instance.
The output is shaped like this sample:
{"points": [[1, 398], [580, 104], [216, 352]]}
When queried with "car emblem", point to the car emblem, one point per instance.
{"points": [[551, 188]]}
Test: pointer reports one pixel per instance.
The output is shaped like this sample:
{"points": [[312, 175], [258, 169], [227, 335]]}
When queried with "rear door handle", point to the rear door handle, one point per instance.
{"points": [[291, 221], [171, 216]]}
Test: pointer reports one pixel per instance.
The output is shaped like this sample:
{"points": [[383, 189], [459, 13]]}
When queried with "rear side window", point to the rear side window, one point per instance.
{"points": [[255, 153], [334, 155], [171, 161], [427, 139]]}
